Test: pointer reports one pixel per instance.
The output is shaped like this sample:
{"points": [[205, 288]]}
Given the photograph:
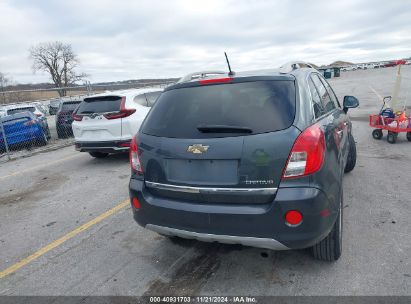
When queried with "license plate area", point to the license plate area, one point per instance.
{"points": [[202, 172]]}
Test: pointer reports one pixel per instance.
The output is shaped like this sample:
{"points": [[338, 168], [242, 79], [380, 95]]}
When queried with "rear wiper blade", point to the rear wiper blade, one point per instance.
{"points": [[223, 129]]}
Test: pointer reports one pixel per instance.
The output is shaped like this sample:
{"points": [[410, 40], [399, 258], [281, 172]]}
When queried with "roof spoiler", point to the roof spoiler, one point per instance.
{"points": [[199, 75]]}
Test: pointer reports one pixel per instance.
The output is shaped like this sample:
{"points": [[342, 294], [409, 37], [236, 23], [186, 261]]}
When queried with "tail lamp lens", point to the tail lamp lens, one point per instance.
{"points": [[30, 123], [307, 154], [77, 117], [122, 113], [134, 157]]}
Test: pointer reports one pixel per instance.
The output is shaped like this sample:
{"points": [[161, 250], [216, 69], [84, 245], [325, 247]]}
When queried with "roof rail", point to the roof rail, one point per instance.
{"points": [[294, 65], [199, 75]]}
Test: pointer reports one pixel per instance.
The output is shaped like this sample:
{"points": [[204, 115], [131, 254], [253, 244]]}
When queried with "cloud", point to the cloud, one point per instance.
{"points": [[118, 40]]}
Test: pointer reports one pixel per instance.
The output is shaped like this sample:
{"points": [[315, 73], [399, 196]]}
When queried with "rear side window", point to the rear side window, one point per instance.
{"points": [[141, 100], [317, 104], [326, 101], [70, 106], [101, 104], [331, 93], [152, 98], [19, 110], [261, 106]]}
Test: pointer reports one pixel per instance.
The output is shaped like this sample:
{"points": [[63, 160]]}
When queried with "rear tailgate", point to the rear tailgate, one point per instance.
{"points": [[213, 143], [95, 125]]}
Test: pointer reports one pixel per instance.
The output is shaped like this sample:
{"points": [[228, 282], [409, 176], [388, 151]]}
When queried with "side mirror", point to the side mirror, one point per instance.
{"points": [[350, 102]]}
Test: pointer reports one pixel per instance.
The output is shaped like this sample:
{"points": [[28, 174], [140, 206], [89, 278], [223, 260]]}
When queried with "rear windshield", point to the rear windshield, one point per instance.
{"points": [[102, 104], [70, 106], [15, 120], [260, 106], [19, 110]]}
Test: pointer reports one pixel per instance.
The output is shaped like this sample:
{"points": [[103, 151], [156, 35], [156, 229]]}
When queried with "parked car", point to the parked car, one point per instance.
{"points": [[64, 118], [54, 106], [21, 130], [390, 64], [105, 123], [18, 108], [256, 158], [42, 107]]}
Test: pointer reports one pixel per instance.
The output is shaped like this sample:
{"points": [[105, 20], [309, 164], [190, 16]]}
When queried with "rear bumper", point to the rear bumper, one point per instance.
{"points": [[226, 239], [257, 225], [117, 146]]}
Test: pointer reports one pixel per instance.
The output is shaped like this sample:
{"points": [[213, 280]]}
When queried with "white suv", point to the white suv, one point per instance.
{"points": [[105, 123]]}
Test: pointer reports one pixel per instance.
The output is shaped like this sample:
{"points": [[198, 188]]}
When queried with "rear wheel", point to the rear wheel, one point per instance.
{"points": [[392, 137], [43, 141], [98, 154], [352, 155], [329, 249], [60, 133], [48, 134], [409, 136], [377, 134]]}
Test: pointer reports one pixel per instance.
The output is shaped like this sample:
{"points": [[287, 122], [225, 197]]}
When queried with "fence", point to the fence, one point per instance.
{"points": [[33, 126]]}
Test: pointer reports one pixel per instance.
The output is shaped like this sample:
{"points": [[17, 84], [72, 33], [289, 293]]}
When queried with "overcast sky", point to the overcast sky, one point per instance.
{"points": [[119, 40]]}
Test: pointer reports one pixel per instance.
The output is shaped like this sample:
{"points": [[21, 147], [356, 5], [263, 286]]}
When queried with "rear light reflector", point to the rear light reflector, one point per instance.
{"points": [[216, 80], [136, 203], [307, 154], [293, 218], [135, 157], [124, 144], [122, 113]]}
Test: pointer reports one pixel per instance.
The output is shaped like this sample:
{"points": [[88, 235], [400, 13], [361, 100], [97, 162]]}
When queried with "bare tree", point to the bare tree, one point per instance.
{"points": [[59, 60], [4, 82]]}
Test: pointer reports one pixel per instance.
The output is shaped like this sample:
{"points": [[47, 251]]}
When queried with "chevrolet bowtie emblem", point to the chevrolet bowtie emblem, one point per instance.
{"points": [[197, 149]]}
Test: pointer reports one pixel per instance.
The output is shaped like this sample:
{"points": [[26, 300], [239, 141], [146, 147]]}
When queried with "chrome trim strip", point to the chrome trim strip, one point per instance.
{"points": [[98, 148], [211, 190], [226, 239]]}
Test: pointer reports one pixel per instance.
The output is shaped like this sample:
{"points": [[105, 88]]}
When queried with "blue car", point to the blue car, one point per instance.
{"points": [[21, 130]]}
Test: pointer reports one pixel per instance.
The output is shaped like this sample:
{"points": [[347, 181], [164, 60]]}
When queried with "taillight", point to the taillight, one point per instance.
{"points": [[38, 115], [122, 113], [215, 80], [307, 154], [77, 117], [135, 157], [30, 123]]}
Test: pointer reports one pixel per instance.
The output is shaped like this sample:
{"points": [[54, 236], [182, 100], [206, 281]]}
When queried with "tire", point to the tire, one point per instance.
{"points": [[60, 134], [330, 248], [409, 136], [48, 134], [352, 155], [98, 154], [377, 134], [391, 137], [43, 141]]}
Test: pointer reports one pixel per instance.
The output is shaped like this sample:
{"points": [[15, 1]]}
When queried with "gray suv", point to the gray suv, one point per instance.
{"points": [[255, 158]]}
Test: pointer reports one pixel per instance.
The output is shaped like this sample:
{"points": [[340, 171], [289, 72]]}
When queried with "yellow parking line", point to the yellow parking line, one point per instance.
{"points": [[40, 166], [63, 239], [375, 92]]}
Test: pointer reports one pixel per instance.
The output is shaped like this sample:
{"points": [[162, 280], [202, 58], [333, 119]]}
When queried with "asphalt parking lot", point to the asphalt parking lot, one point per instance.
{"points": [[66, 227]]}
